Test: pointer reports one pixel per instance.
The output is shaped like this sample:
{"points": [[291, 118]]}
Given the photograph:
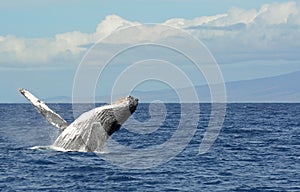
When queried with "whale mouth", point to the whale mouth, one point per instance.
{"points": [[133, 103]]}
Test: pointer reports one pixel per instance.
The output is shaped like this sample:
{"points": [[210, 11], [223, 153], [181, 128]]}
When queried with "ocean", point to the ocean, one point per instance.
{"points": [[257, 149]]}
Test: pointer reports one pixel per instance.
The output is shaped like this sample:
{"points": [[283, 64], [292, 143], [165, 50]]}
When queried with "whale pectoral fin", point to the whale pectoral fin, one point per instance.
{"points": [[42, 108]]}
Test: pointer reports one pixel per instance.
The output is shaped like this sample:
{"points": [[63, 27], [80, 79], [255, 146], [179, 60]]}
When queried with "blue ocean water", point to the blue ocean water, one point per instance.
{"points": [[258, 149]]}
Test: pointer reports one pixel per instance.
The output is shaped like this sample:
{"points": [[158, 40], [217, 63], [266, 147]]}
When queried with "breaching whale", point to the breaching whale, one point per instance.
{"points": [[89, 132]]}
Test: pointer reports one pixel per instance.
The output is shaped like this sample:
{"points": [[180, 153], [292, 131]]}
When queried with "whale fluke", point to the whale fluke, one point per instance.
{"points": [[50, 115]]}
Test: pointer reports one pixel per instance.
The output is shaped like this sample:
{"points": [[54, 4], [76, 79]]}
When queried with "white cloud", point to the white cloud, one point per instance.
{"points": [[272, 32], [185, 23], [22, 52], [277, 13], [59, 50], [112, 23]]}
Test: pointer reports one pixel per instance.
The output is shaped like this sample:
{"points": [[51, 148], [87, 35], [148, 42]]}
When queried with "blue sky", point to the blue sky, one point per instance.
{"points": [[34, 18], [269, 42]]}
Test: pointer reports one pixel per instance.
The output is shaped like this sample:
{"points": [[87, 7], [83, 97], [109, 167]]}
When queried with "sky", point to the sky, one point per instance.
{"points": [[43, 42]]}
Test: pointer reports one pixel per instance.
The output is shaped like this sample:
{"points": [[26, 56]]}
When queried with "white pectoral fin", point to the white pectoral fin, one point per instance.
{"points": [[50, 115]]}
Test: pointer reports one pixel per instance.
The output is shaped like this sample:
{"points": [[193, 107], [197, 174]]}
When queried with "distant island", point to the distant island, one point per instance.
{"points": [[282, 88]]}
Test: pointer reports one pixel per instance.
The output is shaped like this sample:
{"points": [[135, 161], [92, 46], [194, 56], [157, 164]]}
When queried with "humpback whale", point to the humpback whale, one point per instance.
{"points": [[89, 132]]}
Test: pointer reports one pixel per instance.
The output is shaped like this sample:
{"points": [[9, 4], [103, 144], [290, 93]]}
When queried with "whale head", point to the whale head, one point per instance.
{"points": [[114, 115], [123, 108]]}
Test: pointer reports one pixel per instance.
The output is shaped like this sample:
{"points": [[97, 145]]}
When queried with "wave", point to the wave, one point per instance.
{"points": [[53, 148]]}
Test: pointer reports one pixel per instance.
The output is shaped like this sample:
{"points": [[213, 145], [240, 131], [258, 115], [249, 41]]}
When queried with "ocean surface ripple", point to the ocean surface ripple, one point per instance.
{"points": [[258, 149]]}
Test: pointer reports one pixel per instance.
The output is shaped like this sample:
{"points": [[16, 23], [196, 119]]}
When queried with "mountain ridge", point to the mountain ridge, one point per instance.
{"points": [[281, 88]]}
